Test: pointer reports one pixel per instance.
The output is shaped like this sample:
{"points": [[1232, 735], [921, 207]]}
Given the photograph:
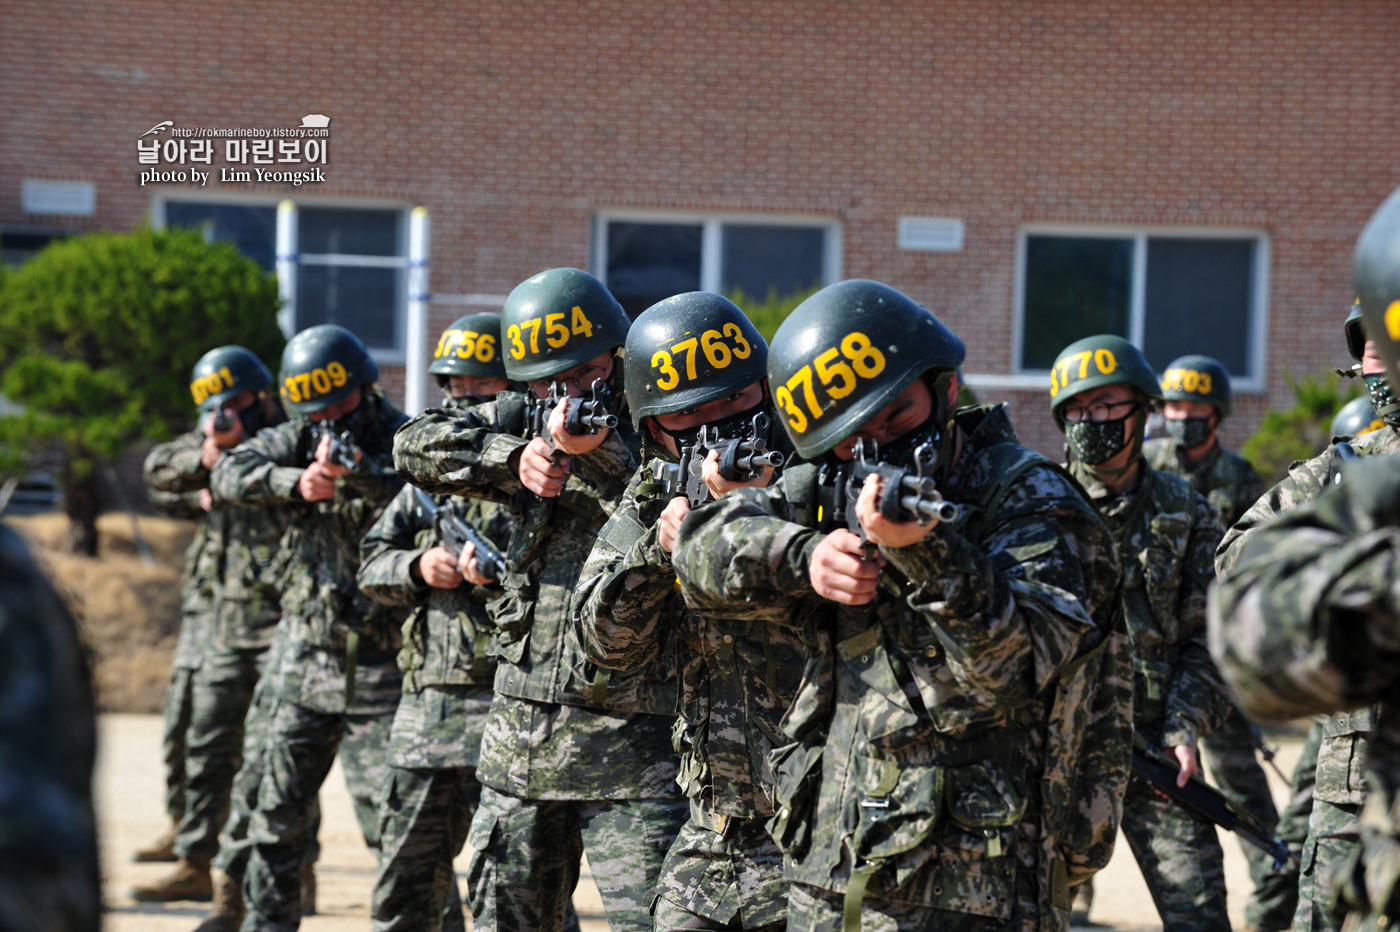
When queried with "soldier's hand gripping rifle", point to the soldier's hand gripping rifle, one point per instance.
{"points": [[581, 415], [343, 451], [909, 495], [454, 532], [1202, 800], [741, 459]]}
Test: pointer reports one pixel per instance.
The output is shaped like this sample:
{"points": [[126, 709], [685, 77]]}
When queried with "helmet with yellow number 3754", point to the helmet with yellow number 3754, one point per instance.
{"points": [[322, 366], [556, 320], [845, 353]]}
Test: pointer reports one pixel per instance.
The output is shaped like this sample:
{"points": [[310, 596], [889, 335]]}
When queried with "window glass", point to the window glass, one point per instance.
{"points": [[363, 300], [651, 261], [1074, 287], [1198, 300], [764, 260], [253, 229], [348, 232]]}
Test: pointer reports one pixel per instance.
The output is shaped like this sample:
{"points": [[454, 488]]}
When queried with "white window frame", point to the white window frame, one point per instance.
{"points": [[711, 225], [1258, 312], [386, 356]]}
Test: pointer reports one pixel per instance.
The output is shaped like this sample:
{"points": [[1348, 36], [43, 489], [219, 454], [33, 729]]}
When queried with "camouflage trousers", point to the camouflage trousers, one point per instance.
{"points": [[732, 880], [527, 851], [1334, 834], [301, 745], [221, 694], [1229, 752], [179, 695], [426, 807], [234, 843], [1181, 860], [1275, 899], [811, 909]]}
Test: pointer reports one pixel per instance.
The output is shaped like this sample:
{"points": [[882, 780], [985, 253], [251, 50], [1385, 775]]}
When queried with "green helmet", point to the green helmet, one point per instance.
{"points": [[687, 350], [845, 353], [557, 320], [321, 367], [224, 372], [1355, 329], [1198, 378], [1377, 282], [470, 346], [1356, 417], [1094, 362]]}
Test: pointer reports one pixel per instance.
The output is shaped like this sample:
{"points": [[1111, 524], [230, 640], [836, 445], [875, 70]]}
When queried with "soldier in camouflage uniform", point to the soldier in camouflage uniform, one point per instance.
{"points": [[337, 682], [49, 878], [432, 791], [1101, 389], [573, 756], [231, 576], [1338, 742], [958, 748], [736, 679], [1197, 398], [1305, 620]]}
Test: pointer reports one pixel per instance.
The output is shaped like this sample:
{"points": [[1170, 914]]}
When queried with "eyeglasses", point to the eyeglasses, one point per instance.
{"points": [[583, 379], [1099, 412]]}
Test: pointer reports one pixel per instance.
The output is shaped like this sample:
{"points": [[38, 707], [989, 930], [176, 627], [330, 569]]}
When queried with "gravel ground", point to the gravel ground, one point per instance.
{"points": [[129, 799]]}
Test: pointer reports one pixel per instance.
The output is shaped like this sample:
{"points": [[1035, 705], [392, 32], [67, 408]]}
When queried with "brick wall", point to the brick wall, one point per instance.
{"points": [[514, 121]]}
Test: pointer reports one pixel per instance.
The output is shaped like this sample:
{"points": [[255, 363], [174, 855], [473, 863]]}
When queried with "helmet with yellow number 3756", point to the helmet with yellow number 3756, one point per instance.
{"points": [[470, 345]]}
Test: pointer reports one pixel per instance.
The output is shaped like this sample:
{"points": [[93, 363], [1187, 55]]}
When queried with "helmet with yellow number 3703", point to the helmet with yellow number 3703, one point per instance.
{"points": [[845, 353]]}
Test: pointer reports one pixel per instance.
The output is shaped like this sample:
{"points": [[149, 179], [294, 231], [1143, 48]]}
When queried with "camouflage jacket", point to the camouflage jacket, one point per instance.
{"points": [[1224, 477], [446, 637], [320, 555], [560, 726], [1305, 481], [48, 731], [228, 565], [1306, 622], [939, 729], [1167, 534], [737, 677], [1341, 755]]}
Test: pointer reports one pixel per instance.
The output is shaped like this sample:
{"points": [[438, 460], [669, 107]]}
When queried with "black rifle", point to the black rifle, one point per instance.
{"points": [[909, 495], [581, 415], [1202, 800], [741, 459], [454, 532], [683, 477], [343, 451]]}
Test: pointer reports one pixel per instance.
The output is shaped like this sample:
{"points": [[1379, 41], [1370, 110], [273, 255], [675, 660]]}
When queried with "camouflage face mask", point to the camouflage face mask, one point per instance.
{"points": [[1189, 432], [1383, 398], [1097, 442]]}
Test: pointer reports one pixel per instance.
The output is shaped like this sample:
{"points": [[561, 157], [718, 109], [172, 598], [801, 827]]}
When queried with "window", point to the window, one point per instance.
{"points": [[350, 261], [1170, 292], [20, 244], [643, 258]]}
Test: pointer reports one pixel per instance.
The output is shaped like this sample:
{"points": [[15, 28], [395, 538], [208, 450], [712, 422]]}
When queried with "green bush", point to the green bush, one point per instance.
{"points": [[98, 335], [1302, 431], [767, 313]]}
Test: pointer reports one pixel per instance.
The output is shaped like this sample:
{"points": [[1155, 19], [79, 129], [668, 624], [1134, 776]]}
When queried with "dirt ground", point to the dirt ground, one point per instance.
{"points": [[129, 797]]}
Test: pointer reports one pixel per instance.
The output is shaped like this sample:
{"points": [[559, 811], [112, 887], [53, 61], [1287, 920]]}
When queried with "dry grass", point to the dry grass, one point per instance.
{"points": [[129, 612]]}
